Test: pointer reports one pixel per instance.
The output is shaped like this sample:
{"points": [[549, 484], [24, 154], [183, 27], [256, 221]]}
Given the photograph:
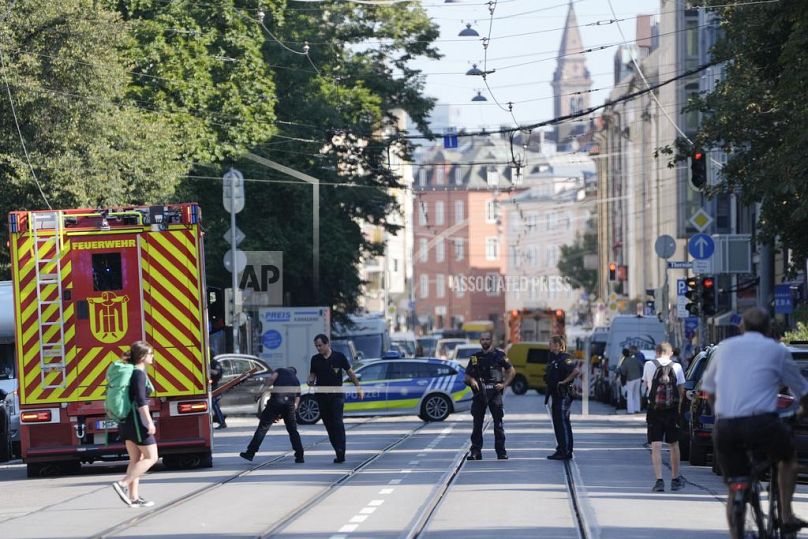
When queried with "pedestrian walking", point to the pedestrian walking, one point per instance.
{"points": [[138, 429], [216, 373], [488, 374], [325, 375], [666, 387], [631, 373], [561, 371], [282, 404]]}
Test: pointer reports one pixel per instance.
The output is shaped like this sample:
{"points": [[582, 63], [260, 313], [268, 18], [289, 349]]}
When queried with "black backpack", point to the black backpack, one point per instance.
{"points": [[664, 394]]}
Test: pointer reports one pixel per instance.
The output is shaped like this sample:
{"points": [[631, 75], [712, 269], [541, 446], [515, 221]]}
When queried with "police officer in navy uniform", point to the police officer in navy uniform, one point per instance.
{"points": [[488, 374], [561, 371]]}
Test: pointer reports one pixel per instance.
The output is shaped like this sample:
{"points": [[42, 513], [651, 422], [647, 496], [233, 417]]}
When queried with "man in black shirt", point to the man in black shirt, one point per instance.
{"points": [[325, 374], [216, 373], [488, 374], [282, 403]]}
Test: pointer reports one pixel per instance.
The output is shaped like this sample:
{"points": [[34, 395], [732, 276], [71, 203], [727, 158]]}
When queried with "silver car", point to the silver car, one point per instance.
{"points": [[251, 395], [10, 404]]}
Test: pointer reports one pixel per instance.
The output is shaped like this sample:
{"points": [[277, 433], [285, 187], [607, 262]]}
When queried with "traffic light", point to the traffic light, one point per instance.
{"points": [[693, 294], [708, 306], [612, 271], [698, 169]]}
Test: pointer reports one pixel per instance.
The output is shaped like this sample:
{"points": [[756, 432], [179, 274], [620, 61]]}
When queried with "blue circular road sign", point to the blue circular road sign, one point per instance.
{"points": [[701, 246]]}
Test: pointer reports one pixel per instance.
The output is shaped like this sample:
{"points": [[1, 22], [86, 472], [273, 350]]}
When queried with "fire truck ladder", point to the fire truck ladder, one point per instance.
{"points": [[47, 228]]}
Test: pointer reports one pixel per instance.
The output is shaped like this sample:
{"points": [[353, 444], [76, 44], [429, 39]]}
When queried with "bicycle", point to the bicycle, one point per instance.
{"points": [[746, 490]]}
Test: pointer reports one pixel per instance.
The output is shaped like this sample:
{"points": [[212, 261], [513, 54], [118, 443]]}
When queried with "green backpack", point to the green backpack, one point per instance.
{"points": [[117, 404]]}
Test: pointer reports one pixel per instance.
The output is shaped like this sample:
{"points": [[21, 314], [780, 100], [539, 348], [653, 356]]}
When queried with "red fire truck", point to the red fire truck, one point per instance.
{"points": [[530, 325], [87, 283]]}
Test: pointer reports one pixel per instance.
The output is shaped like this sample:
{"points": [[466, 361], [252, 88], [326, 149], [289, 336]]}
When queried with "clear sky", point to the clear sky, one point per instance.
{"points": [[540, 23]]}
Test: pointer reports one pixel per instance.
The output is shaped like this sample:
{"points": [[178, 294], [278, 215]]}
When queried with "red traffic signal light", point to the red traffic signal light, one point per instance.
{"points": [[698, 169], [708, 304]]}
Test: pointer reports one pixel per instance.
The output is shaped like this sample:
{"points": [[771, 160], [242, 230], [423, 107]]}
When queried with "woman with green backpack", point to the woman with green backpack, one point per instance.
{"points": [[137, 427]]}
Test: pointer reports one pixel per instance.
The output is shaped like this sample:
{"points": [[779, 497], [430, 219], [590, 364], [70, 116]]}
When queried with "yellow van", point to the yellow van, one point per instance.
{"points": [[530, 361]]}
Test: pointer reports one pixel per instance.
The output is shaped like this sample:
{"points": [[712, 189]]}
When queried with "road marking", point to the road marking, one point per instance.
{"points": [[367, 510], [421, 454], [348, 528], [358, 518], [386, 491], [394, 482], [339, 537], [415, 462], [406, 471], [375, 503]]}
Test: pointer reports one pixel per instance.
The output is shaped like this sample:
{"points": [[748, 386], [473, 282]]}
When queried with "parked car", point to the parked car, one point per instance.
{"points": [[9, 402], [426, 346], [463, 352], [530, 361], [346, 347], [692, 377], [445, 346], [702, 417], [251, 395], [431, 388]]}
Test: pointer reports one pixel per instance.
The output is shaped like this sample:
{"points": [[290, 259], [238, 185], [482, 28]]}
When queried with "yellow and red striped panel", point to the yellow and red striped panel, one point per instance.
{"points": [[172, 315], [172, 307]]}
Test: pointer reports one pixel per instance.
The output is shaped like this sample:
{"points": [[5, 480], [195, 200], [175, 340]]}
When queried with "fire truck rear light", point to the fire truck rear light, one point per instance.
{"points": [[192, 407], [41, 416]]}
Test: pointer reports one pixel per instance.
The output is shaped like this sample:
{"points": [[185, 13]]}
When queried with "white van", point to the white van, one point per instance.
{"points": [[644, 332], [405, 342]]}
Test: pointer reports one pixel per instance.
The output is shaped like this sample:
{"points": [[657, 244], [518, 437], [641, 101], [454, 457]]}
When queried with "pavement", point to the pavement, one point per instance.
{"points": [[525, 496]]}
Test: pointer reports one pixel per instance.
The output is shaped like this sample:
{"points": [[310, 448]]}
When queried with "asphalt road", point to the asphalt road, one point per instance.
{"points": [[395, 483]]}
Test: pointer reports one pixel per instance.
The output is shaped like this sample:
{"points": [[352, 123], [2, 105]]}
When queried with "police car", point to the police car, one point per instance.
{"points": [[430, 388]]}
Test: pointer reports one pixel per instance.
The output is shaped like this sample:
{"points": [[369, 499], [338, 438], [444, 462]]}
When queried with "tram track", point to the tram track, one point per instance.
{"points": [[164, 508]]}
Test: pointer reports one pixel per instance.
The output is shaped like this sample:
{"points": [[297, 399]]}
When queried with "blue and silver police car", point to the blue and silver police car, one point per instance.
{"points": [[429, 388]]}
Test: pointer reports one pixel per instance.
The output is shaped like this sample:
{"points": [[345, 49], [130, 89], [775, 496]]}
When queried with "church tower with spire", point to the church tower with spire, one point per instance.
{"points": [[570, 78]]}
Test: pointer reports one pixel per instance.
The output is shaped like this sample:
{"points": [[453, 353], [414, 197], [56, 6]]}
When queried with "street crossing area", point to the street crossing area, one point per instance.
{"points": [[403, 478]]}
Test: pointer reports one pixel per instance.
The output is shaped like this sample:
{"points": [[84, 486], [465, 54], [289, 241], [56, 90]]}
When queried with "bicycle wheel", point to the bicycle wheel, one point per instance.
{"points": [[758, 523]]}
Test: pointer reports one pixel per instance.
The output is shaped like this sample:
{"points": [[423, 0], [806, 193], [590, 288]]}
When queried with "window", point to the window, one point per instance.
{"points": [[492, 248], [430, 370], [537, 355], [439, 212], [491, 211], [458, 176], [440, 286], [398, 370], [395, 265], [421, 176], [422, 206], [423, 250], [374, 372], [440, 250], [107, 272], [458, 249], [440, 178], [424, 286], [513, 257], [492, 177], [552, 256], [459, 211]]}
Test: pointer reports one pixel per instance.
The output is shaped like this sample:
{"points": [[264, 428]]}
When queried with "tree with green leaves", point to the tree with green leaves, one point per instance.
{"points": [[756, 115], [69, 136], [571, 263]]}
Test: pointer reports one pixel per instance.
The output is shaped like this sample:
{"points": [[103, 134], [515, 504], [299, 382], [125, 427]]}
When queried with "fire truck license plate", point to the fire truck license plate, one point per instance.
{"points": [[102, 424]]}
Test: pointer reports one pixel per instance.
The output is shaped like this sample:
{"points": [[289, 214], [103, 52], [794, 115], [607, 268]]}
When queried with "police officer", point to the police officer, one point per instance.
{"points": [[283, 403], [488, 374], [561, 371], [326, 371], [216, 372]]}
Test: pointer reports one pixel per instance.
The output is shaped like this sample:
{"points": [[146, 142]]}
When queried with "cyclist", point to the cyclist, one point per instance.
{"points": [[743, 380]]}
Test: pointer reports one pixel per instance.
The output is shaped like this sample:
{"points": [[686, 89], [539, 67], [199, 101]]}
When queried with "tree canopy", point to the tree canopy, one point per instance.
{"points": [[756, 115], [144, 101]]}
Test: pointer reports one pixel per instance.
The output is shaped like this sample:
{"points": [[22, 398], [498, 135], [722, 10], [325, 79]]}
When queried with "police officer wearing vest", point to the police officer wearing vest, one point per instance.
{"points": [[561, 371], [488, 374]]}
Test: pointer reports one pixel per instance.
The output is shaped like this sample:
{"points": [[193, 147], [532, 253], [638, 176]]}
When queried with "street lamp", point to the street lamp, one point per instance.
{"points": [[479, 97], [468, 31]]}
